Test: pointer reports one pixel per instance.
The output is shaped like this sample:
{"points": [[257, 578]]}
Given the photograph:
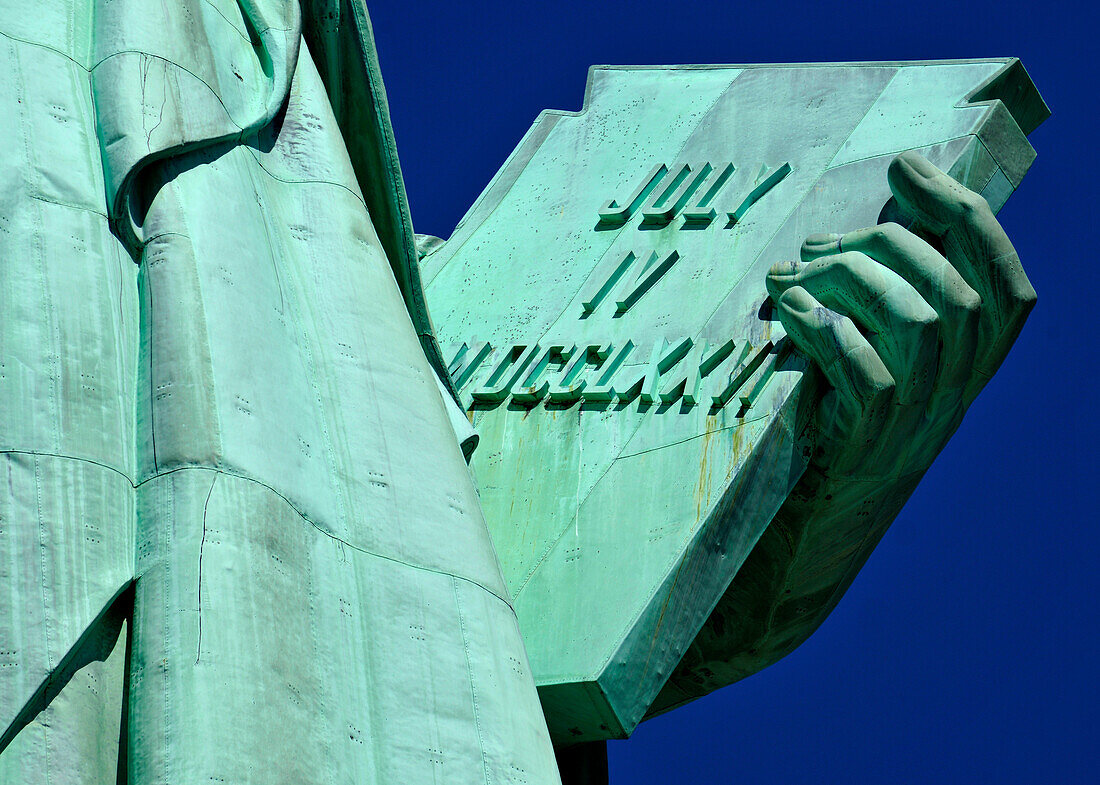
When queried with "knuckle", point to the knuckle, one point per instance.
{"points": [[840, 323], [973, 208], [966, 302], [924, 317], [923, 325], [889, 235], [910, 313], [830, 325], [871, 240], [1023, 299], [1030, 299], [883, 387], [880, 391], [1014, 293], [850, 265], [962, 304], [1023, 293]]}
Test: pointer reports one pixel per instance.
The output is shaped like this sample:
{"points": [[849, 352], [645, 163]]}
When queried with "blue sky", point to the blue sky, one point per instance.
{"points": [[964, 651]]}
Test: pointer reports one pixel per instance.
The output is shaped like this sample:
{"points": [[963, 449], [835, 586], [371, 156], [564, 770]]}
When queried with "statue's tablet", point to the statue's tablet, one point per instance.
{"points": [[604, 305]]}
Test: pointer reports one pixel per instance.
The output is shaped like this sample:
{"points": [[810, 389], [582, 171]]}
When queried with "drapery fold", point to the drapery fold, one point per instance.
{"points": [[341, 38], [163, 85], [243, 424]]}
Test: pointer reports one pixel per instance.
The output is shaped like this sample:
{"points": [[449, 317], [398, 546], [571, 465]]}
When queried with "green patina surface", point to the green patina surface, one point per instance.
{"points": [[621, 517], [220, 409], [239, 540]]}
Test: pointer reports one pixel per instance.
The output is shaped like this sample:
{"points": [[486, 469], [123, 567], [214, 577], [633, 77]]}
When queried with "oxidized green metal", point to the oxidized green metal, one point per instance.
{"points": [[239, 540], [634, 395], [223, 414]]}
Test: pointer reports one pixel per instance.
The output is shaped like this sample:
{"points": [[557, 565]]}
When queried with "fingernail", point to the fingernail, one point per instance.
{"points": [[922, 189], [785, 269], [819, 245]]}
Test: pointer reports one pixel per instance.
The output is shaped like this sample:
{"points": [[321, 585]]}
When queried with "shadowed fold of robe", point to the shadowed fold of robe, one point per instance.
{"points": [[245, 423]]}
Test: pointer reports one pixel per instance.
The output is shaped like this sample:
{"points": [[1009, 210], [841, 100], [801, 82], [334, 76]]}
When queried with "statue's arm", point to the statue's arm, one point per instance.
{"points": [[905, 327]]}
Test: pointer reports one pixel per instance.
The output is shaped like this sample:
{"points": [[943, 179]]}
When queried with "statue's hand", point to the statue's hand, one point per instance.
{"points": [[905, 335], [906, 327]]}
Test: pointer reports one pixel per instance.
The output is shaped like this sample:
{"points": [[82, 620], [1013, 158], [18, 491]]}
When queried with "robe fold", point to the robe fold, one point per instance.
{"points": [[239, 542]]}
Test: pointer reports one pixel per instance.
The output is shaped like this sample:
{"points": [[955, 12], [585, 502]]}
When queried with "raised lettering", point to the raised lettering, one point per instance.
{"points": [[614, 214], [643, 382], [651, 272], [573, 381], [764, 183], [466, 361], [603, 391], [703, 359], [534, 387], [747, 363], [499, 384], [701, 213], [591, 304], [665, 208], [750, 393]]}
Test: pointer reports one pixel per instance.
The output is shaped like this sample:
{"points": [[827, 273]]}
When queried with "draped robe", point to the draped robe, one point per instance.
{"points": [[238, 539]]}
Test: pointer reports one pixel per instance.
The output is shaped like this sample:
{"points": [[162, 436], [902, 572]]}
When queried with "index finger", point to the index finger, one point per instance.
{"points": [[976, 246]]}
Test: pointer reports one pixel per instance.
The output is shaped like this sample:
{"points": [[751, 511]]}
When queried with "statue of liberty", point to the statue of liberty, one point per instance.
{"points": [[239, 541]]}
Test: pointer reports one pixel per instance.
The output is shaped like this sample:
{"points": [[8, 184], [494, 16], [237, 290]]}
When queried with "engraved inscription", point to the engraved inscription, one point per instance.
{"points": [[647, 274], [563, 373], [689, 190]]}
